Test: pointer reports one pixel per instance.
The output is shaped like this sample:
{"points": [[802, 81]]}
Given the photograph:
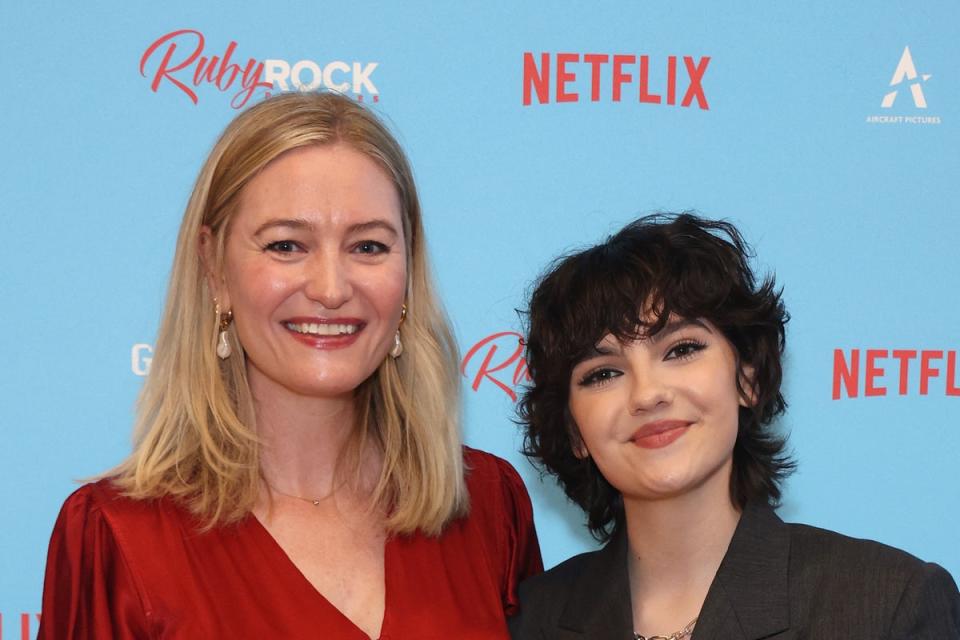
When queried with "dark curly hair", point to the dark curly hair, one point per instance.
{"points": [[654, 267]]}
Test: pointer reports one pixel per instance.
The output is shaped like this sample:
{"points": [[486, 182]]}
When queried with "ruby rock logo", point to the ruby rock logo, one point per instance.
{"points": [[497, 360], [555, 75], [878, 372], [353, 77], [180, 59]]}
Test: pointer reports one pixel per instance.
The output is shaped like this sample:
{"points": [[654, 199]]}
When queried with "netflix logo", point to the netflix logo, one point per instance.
{"points": [[881, 372], [572, 77], [20, 626]]}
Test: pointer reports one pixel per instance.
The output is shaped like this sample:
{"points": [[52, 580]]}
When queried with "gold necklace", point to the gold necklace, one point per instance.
{"points": [[676, 635], [314, 501]]}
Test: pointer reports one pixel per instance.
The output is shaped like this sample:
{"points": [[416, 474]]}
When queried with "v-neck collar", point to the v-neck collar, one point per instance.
{"points": [[748, 598], [752, 581], [310, 592]]}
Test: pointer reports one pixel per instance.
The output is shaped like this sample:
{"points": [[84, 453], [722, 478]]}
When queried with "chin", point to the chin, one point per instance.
{"points": [[329, 390], [670, 484], [326, 386]]}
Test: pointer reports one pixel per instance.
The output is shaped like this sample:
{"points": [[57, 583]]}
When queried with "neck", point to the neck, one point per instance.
{"points": [[302, 438], [677, 543]]}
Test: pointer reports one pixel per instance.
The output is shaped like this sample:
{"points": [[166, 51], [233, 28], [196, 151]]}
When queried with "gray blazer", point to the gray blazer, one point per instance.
{"points": [[783, 581]]}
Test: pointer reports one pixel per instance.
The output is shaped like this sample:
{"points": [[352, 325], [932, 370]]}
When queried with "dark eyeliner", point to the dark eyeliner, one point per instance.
{"points": [[695, 346], [275, 246], [593, 377], [379, 247]]}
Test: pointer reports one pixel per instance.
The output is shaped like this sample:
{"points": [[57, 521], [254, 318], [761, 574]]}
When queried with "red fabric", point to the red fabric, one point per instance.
{"points": [[121, 568]]}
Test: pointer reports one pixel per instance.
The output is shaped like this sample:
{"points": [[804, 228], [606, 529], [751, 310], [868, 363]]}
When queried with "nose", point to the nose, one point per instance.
{"points": [[649, 391], [327, 279]]}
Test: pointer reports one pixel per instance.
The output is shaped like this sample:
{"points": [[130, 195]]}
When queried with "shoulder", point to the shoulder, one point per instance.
{"points": [[496, 489], [501, 515], [96, 502], [896, 590], [819, 550], [139, 534], [104, 501], [554, 585], [544, 597], [485, 467], [491, 478], [497, 493], [89, 564]]}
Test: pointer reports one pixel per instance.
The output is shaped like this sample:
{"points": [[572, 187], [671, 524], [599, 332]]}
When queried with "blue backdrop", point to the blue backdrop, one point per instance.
{"points": [[828, 131]]}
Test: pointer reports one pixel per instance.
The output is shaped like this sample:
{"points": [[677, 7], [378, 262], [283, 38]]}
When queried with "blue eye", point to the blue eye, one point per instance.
{"points": [[599, 377], [685, 349], [283, 246], [371, 247]]}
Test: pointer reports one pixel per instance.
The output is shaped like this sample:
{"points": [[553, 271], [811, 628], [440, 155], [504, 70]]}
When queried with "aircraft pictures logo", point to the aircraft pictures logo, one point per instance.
{"points": [[905, 101]]}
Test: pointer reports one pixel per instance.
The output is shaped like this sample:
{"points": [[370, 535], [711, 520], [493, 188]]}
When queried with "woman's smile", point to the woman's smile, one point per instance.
{"points": [[325, 333], [660, 433]]}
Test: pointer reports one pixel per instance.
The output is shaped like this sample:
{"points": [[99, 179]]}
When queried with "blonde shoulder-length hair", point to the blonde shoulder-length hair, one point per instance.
{"points": [[195, 438]]}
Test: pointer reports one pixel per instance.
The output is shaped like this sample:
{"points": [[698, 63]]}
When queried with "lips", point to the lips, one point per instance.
{"points": [[322, 329], [658, 434], [324, 333]]}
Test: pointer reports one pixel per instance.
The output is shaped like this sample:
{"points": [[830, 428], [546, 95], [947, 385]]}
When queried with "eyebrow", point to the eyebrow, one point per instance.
{"points": [[679, 324], [602, 349], [305, 225], [379, 223], [290, 223]]}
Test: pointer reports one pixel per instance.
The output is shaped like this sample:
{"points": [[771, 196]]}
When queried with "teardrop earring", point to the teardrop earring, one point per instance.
{"points": [[223, 343], [397, 350]]}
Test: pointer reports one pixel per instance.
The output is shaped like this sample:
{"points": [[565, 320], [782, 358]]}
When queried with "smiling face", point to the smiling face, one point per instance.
{"points": [[315, 271], [659, 415]]}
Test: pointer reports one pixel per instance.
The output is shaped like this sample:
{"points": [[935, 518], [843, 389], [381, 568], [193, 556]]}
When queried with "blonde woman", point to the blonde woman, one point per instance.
{"points": [[297, 470]]}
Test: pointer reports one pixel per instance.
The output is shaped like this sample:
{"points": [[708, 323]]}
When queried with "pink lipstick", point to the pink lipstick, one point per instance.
{"points": [[659, 434], [324, 333]]}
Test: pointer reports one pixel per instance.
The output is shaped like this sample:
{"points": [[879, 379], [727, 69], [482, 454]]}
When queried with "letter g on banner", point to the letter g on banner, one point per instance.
{"points": [[141, 355]]}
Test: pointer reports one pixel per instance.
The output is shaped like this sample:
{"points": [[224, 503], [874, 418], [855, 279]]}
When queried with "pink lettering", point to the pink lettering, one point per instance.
{"points": [[512, 341], [219, 71]]}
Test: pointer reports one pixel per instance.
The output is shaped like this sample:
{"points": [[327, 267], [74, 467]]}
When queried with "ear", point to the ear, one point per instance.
{"points": [[207, 248], [577, 445], [579, 449], [748, 381]]}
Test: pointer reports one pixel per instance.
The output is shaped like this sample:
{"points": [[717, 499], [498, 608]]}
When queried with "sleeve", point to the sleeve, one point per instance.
{"points": [[88, 591], [929, 607], [520, 546]]}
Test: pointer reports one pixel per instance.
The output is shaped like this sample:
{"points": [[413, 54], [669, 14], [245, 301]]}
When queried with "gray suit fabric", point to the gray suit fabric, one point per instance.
{"points": [[778, 581]]}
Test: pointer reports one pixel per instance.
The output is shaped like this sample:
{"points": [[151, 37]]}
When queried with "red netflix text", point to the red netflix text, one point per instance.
{"points": [[499, 362], [182, 63], [26, 633], [547, 76], [879, 372]]}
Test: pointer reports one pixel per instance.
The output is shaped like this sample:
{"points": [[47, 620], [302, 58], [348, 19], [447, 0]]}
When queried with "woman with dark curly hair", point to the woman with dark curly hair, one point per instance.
{"points": [[656, 365]]}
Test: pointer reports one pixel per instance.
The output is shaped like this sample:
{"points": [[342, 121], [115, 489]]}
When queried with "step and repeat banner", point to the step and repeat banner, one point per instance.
{"points": [[829, 132]]}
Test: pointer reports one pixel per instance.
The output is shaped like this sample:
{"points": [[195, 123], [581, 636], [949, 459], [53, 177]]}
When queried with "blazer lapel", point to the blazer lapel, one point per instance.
{"points": [[599, 604], [749, 598]]}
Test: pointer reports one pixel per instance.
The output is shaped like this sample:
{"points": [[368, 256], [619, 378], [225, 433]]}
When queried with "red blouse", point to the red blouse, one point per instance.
{"points": [[122, 568]]}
